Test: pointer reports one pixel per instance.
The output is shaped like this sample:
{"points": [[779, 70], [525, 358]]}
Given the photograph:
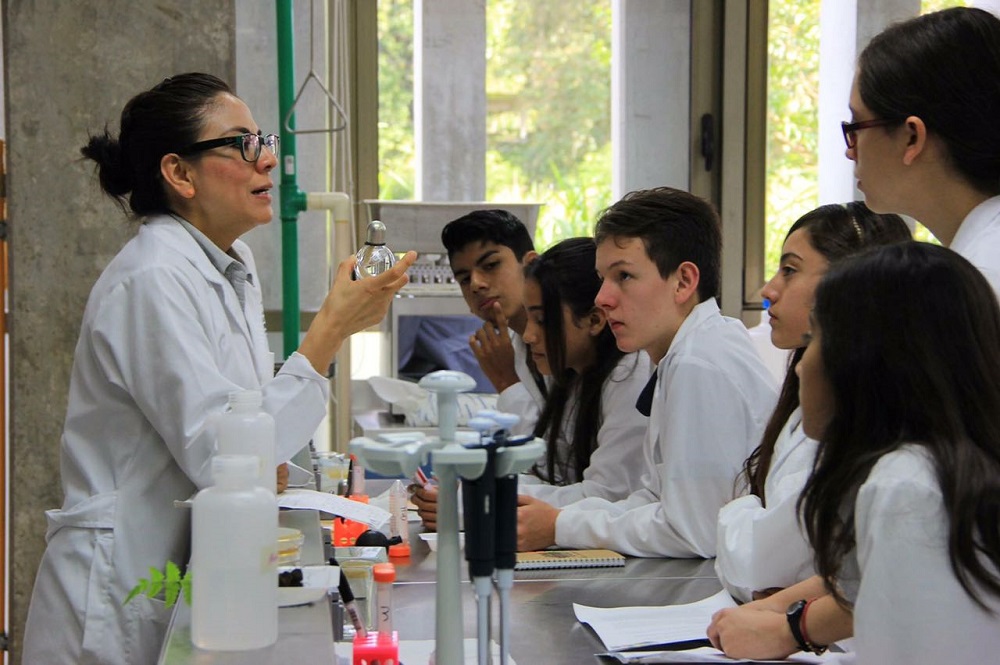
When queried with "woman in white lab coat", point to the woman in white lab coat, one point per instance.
{"points": [[760, 544], [173, 325], [899, 384], [593, 430]]}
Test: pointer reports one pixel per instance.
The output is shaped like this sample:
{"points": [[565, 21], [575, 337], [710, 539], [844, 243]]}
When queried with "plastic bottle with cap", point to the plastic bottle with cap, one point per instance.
{"points": [[383, 645], [245, 429], [374, 257], [234, 588], [385, 575]]}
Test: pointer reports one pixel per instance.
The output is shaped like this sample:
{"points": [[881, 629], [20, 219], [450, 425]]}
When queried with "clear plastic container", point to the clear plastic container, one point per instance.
{"points": [[374, 258], [245, 429], [234, 585], [289, 546]]}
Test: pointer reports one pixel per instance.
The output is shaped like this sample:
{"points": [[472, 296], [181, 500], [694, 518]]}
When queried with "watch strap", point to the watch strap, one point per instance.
{"points": [[796, 614]]}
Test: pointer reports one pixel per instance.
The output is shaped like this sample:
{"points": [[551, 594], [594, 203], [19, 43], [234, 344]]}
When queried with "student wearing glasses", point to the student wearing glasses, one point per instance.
{"points": [[172, 326], [924, 135]]}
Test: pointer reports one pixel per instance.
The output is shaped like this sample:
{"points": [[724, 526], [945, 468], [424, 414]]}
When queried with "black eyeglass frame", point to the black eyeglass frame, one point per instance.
{"points": [[851, 129], [270, 140]]}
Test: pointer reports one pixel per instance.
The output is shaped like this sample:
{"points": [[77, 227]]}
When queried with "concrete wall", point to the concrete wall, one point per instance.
{"points": [[449, 105], [70, 67], [650, 94]]}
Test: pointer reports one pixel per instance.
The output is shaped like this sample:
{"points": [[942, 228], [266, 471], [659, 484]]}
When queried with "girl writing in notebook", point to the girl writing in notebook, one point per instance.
{"points": [[590, 422], [899, 385], [760, 544]]}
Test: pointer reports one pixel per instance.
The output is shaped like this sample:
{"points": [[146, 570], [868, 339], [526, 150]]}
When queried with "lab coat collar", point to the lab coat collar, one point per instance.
{"points": [[169, 232], [701, 313], [974, 225]]}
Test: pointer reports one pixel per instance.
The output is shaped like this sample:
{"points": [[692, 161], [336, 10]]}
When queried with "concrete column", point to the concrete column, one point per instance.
{"points": [[844, 23], [650, 94], [874, 16], [838, 23], [449, 104], [70, 67]]}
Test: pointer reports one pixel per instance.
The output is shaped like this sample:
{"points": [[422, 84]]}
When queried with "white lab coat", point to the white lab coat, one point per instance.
{"points": [[908, 605], [712, 400], [523, 398], [616, 466], [758, 547], [978, 240], [162, 344]]}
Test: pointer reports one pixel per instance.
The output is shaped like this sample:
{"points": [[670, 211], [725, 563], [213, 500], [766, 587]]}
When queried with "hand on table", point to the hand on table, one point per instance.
{"points": [[282, 478], [536, 524], [751, 632]]}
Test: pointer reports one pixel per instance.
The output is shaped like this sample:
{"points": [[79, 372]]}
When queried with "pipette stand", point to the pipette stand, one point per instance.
{"points": [[449, 460]]}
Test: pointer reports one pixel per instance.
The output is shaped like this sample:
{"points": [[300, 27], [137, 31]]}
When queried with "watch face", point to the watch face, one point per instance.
{"points": [[796, 608]]}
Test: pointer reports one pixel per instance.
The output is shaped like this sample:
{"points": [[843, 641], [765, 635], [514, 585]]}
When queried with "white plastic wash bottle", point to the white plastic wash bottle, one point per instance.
{"points": [[245, 429], [234, 574]]}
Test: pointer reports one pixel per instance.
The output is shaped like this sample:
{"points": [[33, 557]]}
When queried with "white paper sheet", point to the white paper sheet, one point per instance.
{"points": [[623, 628], [373, 516], [703, 655]]}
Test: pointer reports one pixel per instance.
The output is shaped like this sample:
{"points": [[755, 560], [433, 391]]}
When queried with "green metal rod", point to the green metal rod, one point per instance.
{"points": [[293, 200]]}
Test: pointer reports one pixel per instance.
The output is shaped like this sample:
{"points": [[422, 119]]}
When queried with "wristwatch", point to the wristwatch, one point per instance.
{"points": [[795, 614]]}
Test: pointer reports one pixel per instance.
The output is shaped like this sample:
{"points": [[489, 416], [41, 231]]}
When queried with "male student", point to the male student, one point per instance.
{"points": [[659, 253], [487, 250]]}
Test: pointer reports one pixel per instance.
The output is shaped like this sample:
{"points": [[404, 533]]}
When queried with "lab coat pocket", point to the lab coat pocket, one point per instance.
{"points": [[146, 628], [101, 631]]}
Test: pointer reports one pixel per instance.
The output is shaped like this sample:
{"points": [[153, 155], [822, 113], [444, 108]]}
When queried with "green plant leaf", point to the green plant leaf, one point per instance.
{"points": [[169, 581], [186, 586], [136, 590], [155, 582], [172, 585]]}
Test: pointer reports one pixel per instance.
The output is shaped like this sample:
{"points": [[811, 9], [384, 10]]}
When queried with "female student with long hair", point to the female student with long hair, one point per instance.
{"points": [[925, 141], [589, 420], [903, 507], [760, 545]]}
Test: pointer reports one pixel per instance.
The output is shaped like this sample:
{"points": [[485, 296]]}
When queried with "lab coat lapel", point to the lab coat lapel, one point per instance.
{"points": [[255, 316], [170, 232], [698, 315]]}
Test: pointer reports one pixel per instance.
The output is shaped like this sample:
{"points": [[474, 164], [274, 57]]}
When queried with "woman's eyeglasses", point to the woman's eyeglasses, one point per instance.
{"points": [[250, 145], [851, 129]]}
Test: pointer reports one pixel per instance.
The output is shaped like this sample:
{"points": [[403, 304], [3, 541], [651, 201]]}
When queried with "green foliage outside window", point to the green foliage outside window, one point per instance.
{"points": [[792, 157], [548, 108]]}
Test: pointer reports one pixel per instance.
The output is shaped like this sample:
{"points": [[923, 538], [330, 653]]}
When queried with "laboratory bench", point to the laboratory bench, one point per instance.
{"points": [[544, 629]]}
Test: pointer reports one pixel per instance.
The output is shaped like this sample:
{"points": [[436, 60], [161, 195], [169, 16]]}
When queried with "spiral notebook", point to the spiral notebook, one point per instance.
{"points": [[568, 559]]}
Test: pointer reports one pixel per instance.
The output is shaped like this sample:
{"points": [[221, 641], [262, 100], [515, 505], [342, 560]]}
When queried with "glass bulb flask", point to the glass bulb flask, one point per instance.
{"points": [[374, 257]]}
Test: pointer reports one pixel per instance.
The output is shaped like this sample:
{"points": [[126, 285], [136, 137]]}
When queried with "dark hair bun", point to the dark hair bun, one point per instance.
{"points": [[115, 174]]}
